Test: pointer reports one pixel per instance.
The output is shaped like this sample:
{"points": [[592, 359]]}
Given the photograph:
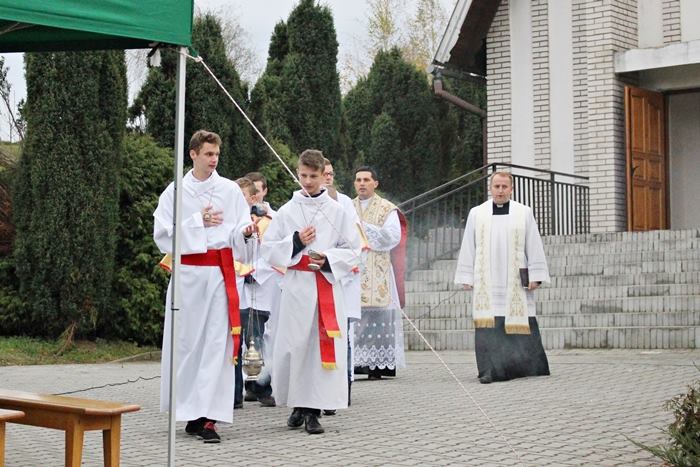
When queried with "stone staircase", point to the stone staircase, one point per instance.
{"points": [[636, 290]]}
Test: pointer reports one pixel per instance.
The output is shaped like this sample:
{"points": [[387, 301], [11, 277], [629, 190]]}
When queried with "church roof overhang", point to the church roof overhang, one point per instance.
{"points": [[463, 44], [684, 53]]}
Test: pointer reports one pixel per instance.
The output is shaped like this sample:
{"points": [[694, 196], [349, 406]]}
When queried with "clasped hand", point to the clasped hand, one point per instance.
{"points": [[212, 218]]}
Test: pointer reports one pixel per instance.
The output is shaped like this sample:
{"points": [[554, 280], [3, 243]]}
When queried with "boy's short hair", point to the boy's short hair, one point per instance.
{"points": [[312, 158], [203, 136], [257, 177], [367, 168], [247, 184]]}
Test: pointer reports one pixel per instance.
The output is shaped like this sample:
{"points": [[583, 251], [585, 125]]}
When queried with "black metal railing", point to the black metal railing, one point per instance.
{"points": [[436, 218]]}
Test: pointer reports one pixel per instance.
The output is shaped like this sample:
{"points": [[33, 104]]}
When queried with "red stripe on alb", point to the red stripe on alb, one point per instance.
{"points": [[327, 322], [223, 258]]}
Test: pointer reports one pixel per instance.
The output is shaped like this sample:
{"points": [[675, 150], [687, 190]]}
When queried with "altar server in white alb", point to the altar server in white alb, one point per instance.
{"points": [[317, 242], [502, 261], [215, 220], [351, 285]]}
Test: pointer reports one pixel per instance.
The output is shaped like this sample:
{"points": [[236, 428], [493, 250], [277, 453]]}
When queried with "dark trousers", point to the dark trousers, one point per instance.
{"points": [[254, 329]]}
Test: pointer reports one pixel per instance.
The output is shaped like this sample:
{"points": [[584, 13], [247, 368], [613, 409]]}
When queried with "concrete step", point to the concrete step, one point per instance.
{"points": [[430, 322], [642, 337], [580, 269], [623, 237], [580, 294], [620, 305], [458, 303], [441, 280], [441, 241], [622, 258]]}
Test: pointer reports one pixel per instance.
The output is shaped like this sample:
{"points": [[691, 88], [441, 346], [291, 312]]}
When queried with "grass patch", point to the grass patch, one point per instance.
{"points": [[31, 351]]}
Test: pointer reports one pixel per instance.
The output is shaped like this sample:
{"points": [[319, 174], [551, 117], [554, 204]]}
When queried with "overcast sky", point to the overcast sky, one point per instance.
{"points": [[258, 18]]}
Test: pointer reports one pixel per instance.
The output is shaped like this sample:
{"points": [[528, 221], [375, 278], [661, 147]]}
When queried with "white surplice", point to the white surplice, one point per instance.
{"points": [[384, 347], [501, 228], [203, 344], [298, 377]]}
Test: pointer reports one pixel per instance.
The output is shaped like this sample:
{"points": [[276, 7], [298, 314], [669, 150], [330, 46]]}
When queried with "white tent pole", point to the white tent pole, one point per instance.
{"points": [[177, 215]]}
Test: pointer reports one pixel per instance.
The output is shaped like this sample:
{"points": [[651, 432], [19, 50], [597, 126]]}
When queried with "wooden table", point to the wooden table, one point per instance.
{"points": [[6, 415], [74, 416]]}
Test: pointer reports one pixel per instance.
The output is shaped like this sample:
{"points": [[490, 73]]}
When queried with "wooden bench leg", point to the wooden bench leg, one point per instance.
{"points": [[2, 444], [111, 440], [74, 442]]}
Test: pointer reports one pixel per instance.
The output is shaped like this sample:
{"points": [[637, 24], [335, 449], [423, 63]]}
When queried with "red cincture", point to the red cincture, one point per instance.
{"points": [[224, 259], [327, 323]]}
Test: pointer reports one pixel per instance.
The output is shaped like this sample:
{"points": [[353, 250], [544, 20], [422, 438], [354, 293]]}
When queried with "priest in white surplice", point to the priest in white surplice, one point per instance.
{"points": [[309, 357], [215, 219], [351, 286], [378, 348], [502, 261]]}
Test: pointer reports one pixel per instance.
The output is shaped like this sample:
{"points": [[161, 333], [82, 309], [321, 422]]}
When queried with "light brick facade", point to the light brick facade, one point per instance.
{"points": [[672, 21], [498, 86], [599, 29], [540, 70]]}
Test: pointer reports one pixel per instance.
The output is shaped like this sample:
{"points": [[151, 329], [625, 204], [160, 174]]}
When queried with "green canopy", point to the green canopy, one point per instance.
{"points": [[38, 25]]}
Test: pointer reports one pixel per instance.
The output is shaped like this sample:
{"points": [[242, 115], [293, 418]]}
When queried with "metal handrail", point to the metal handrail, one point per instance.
{"points": [[437, 216]]}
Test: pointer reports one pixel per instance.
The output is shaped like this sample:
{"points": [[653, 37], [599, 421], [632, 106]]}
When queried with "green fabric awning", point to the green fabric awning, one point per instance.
{"points": [[39, 25]]}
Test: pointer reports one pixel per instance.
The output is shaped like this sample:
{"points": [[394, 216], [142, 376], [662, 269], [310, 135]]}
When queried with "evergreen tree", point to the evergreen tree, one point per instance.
{"points": [[207, 107], [395, 100], [266, 97], [297, 100], [66, 199], [139, 285], [461, 137]]}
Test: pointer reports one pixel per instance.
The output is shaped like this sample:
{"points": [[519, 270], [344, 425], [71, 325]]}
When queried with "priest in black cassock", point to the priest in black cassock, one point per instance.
{"points": [[502, 261]]}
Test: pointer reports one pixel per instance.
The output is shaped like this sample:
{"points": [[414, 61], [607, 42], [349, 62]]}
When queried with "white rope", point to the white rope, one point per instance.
{"points": [[466, 391]]}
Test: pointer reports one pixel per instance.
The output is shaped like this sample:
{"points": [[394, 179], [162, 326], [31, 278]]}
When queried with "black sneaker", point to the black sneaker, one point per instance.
{"points": [[194, 427], [209, 434], [296, 419]]}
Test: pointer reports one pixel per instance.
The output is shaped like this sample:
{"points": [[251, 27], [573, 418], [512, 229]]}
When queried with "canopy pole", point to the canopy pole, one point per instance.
{"points": [[177, 215]]}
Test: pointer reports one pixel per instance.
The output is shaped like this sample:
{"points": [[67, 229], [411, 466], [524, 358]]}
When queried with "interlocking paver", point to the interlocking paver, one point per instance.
{"points": [[580, 415]]}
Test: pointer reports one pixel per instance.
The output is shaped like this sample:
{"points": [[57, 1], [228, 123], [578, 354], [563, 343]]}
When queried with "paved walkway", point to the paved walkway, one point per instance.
{"points": [[581, 415]]}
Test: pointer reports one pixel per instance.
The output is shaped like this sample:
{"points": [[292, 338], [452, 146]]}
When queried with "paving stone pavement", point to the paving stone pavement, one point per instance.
{"points": [[581, 415]]}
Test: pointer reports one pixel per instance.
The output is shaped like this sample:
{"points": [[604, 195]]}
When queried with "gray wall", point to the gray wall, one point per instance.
{"points": [[684, 159]]}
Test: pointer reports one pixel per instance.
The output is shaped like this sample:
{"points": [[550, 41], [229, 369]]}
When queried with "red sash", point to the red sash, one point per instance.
{"points": [[224, 259], [327, 322]]}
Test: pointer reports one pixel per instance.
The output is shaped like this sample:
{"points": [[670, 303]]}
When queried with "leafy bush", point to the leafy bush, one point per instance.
{"points": [[682, 449], [139, 284]]}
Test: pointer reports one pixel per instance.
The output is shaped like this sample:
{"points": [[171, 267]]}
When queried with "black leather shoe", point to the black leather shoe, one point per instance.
{"points": [[267, 401], [349, 388], [250, 396], [238, 405], [194, 427], [328, 412], [311, 424], [486, 379], [296, 419]]}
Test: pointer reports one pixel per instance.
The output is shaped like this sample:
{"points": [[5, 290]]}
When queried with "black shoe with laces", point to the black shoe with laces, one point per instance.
{"points": [[209, 434], [267, 401], [194, 427], [296, 419], [311, 424]]}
